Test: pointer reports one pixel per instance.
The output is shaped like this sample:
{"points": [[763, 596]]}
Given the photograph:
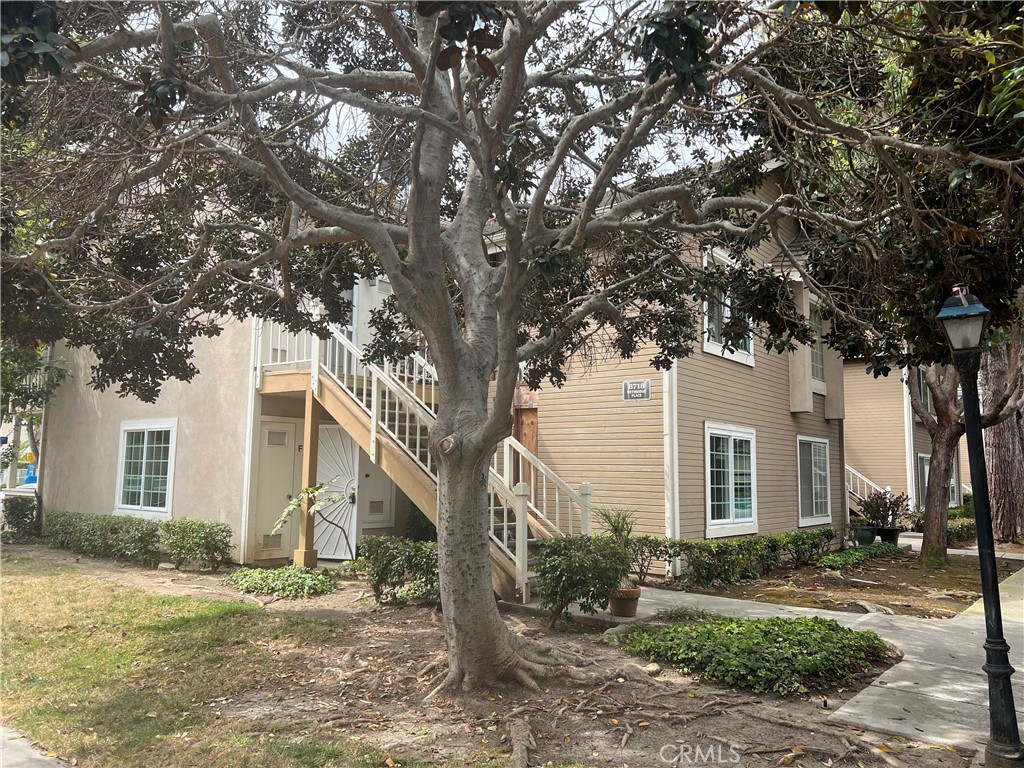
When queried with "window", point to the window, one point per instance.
{"points": [[717, 313], [926, 394], [146, 467], [817, 349], [924, 465], [812, 466], [731, 481]]}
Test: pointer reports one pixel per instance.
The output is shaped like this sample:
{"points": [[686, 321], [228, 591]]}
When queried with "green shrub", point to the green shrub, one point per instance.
{"points": [[196, 541], [127, 539], [401, 569], [20, 524], [418, 526], [839, 560], [884, 509], [644, 551], [784, 656], [290, 582], [579, 569], [960, 513], [803, 547], [961, 532], [708, 562], [617, 522]]}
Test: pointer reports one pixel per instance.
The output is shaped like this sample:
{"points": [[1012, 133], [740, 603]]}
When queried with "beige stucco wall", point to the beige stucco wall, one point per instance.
{"points": [[83, 440]]}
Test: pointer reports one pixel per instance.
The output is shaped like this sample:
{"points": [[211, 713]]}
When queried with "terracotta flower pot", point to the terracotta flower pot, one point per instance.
{"points": [[623, 602]]}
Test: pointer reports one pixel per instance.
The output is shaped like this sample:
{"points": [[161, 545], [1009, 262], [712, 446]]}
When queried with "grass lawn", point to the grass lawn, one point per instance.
{"points": [[113, 677]]}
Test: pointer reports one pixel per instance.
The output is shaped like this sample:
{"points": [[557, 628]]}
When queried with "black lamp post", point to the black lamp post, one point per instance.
{"points": [[964, 318]]}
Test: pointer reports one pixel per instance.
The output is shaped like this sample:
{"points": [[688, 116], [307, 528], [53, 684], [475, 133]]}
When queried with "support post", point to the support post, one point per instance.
{"points": [[522, 495], [375, 414], [1004, 748], [305, 555], [586, 494], [314, 365]]}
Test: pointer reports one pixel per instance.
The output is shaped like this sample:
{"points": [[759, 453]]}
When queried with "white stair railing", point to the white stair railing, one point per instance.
{"points": [[401, 399], [859, 485]]}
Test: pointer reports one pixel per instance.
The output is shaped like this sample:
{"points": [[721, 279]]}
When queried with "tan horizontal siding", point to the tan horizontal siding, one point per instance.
{"points": [[875, 443], [587, 433]]}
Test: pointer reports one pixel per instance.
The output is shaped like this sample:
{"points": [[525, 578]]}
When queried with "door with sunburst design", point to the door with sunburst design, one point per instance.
{"points": [[337, 465]]}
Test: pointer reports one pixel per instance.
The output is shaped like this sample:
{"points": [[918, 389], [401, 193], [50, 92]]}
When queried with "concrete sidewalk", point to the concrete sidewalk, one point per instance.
{"points": [[937, 694], [16, 751], [914, 540]]}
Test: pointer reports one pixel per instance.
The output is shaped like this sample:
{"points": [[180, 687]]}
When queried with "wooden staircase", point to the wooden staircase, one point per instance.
{"points": [[388, 411]]}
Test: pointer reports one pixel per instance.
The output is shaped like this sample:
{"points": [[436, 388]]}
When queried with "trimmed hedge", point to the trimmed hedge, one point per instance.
{"points": [[727, 561], [20, 524], [205, 543], [961, 532], [401, 569], [783, 656], [127, 539]]}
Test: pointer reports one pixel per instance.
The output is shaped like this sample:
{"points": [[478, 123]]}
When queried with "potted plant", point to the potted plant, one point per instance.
{"points": [[619, 523], [884, 510], [865, 533]]}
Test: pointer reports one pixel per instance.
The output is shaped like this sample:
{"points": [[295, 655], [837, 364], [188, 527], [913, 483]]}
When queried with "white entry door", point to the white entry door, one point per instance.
{"points": [[276, 482], [338, 462]]}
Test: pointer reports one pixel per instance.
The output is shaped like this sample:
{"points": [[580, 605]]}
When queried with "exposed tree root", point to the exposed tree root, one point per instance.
{"points": [[521, 737], [452, 682]]}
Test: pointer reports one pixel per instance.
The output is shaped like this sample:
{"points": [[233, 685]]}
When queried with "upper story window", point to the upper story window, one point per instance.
{"points": [[146, 466], [817, 347], [718, 310], [926, 394]]}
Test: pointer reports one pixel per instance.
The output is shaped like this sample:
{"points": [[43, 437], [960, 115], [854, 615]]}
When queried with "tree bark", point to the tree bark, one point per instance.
{"points": [[1004, 453], [933, 545]]}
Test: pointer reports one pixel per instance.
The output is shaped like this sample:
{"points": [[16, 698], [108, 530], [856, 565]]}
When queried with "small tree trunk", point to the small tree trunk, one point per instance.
{"points": [[1004, 453], [936, 505]]}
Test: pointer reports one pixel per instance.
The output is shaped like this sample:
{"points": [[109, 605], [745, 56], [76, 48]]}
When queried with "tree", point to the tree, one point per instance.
{"points": [[1004, 442], [210, 159]]}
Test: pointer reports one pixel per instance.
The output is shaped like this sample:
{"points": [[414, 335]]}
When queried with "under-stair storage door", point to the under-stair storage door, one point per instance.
{"points": [[336, 528]]}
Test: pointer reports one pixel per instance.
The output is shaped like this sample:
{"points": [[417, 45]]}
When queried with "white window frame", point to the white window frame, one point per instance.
{"points": [[714, 347], [149, 513], [953, 494], [818, 385], [719, 528], [818, 519]]}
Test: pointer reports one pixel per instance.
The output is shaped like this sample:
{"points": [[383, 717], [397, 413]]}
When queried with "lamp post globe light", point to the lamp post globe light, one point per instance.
{"points": [[963, 318]]}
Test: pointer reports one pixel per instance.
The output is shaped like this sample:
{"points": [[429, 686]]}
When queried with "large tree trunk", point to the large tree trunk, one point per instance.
{"points": [[481, 648], [936, 505], [1004, 453]]}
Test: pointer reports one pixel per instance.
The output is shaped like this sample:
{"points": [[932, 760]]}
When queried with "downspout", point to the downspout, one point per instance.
{"points": [[251, 402], [670, 433], [908, 439]]}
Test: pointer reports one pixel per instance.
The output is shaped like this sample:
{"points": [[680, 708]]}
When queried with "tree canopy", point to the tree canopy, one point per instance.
{"points": [[528, 175]]}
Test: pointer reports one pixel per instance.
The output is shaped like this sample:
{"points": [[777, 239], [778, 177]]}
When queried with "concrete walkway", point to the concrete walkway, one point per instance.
{"points": [[914, 540], [16, 751], [937, 694]]}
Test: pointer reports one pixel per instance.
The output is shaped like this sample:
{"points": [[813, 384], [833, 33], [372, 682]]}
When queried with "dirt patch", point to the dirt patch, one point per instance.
{"points": [[367, 684], [899, 583]]}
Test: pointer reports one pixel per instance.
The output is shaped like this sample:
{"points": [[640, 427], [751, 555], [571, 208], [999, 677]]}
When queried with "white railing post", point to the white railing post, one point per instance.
{"points": [[586, 493], [522, 495], [374, 414], [314, 365], [507, 451]]}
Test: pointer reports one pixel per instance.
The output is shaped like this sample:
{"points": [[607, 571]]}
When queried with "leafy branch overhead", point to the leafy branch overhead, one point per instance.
{"points": [[461, 27]]}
